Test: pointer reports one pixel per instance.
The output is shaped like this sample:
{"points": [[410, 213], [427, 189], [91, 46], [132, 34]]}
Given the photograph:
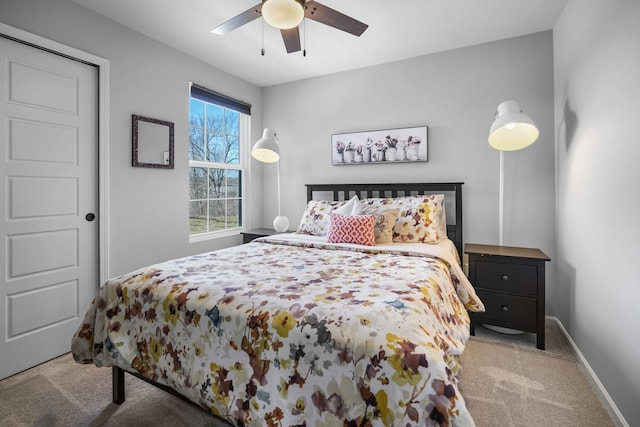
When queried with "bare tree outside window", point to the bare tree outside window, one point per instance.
{"points": [[215, 173]]}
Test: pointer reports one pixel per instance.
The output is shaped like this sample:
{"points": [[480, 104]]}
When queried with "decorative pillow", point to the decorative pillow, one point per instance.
{"points": [[384, 221], [349, 208], [351, 229], [420, 218], [314, 219]]}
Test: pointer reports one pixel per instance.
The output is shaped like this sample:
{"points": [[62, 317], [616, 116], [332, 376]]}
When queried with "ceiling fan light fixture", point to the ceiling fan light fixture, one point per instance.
{"points": [[283, 14]]}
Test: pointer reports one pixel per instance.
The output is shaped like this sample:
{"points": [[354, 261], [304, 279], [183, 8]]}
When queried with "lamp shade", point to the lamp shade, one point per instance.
{"points": [[266, 150], [512, 130], [283, 14]]}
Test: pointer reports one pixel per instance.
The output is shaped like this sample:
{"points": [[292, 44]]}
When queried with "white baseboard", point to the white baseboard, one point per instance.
{"points": [[604, 396]]}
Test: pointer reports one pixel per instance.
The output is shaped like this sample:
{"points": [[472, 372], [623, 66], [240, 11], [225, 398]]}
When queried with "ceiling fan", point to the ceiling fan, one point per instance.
{"points": [[286, 15]]}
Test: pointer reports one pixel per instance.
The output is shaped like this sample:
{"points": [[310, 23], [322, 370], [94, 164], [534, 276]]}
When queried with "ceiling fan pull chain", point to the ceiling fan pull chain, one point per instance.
{"points": [[262, 50], [304, 40]]}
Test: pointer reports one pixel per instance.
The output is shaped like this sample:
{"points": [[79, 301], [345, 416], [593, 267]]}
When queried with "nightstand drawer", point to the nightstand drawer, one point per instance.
{"points": [[516, 278], [516, 311]]}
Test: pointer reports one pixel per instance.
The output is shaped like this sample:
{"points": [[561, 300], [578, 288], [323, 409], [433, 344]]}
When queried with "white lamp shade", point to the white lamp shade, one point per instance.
{"points": [[511, 129], [266, 150], [283, 14]]}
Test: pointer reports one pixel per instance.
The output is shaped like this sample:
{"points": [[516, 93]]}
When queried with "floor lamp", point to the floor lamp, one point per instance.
{"points": [[511, 131], [267, 150]]}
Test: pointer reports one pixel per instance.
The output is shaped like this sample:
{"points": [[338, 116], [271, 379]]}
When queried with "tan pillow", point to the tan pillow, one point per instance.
{"points": [[384, 221]]}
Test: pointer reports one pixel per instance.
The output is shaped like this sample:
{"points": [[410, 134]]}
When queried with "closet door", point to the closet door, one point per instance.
{"points": [[49, 192]]}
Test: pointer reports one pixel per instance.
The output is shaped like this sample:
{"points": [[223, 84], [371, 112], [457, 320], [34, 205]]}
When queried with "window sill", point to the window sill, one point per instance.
{"points": [[215, 235]]}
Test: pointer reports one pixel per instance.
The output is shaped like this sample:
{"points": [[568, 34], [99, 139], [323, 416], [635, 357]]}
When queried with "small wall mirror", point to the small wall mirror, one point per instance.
{"points": [[152, 143]]}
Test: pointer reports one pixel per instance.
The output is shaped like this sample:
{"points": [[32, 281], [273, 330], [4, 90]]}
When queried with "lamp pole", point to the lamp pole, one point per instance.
{"points": [[501, 202], [278, 178]]}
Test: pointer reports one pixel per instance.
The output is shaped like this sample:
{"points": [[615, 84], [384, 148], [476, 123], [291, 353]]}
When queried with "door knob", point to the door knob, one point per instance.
{"points": [[90, 216]]}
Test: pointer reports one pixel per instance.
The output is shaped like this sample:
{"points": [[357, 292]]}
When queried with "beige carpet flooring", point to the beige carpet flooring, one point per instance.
{"points": [[505, 380]]}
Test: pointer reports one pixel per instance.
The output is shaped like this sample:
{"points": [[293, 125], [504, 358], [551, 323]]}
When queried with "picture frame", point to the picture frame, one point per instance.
{"points": [[152, 143], [387, 146]]}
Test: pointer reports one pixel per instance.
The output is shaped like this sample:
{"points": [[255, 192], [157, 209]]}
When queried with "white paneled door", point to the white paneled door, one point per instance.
{"points": [[49, 195]]}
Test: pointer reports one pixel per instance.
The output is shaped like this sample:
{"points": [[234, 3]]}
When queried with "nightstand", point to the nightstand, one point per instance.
{"points": [[249, 235], [510, 283]]}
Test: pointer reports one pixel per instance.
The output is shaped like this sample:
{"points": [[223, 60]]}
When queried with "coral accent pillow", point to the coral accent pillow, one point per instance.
{"points": [[351, 229]]}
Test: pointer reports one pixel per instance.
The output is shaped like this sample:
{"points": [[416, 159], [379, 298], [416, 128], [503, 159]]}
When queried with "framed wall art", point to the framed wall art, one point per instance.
{"points": [[388, 146]]}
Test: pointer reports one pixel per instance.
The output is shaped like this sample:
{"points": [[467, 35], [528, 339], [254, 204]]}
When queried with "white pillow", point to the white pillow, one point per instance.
{"points": [[352, 207]]}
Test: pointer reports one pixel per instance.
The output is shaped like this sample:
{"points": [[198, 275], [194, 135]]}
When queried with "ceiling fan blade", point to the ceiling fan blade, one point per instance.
{"points": [[291, 39], [325, 15], [239, 20]]}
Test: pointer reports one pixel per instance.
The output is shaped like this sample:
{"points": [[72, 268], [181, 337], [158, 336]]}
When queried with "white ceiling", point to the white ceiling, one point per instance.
{"points": [[397, 30]]}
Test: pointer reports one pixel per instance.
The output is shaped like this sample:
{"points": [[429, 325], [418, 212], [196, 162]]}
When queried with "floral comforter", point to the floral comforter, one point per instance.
{"points": [[292, 332]]}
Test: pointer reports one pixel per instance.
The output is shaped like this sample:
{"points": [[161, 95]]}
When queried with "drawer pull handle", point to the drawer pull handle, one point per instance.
{"points": [[505, 308], [505, 277]]}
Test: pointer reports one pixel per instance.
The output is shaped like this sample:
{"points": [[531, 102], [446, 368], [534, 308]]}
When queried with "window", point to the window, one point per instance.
{"points": [[218, 141]]}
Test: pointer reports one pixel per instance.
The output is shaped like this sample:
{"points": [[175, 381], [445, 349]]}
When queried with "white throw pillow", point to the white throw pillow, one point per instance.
{"points": [[349, 208]]}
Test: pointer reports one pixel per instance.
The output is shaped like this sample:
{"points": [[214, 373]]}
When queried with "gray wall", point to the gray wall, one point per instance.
{"points": [[148, 209], [597, 88], [454, 93]]}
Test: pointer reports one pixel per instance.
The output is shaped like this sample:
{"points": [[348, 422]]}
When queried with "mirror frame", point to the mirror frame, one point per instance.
{"points": [[136, 143]]}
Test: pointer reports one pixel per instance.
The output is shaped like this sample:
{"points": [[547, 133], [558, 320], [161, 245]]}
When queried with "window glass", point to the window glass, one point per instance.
{"points": [[215, 167], [215, 118], [198, 183]]}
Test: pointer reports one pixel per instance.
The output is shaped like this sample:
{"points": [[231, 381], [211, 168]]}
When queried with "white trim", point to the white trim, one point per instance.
{"points": [[245, 141], [604, 396], [201, 237], [103, 130], [214, 165]]}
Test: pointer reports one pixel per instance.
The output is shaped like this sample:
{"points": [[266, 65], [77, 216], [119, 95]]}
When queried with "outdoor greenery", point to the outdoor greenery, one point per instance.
{"points": [[199, 225]]}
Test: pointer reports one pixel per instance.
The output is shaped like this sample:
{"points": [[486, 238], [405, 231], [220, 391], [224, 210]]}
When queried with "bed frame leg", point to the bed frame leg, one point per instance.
{"points": [[117, 381]]}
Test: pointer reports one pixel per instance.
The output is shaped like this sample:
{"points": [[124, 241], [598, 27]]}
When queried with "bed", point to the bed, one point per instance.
{"points": [[331, 325]]}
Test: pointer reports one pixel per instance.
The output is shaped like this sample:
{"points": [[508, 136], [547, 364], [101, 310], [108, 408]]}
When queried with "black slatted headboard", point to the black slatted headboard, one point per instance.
{"points": [[451, 190]]}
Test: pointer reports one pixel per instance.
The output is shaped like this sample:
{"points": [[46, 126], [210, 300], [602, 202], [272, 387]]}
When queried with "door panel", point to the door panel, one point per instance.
{"points": [[42, 142], [32, 197], [49, 173], [41, 252], [42, 87], [22, 318]]}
